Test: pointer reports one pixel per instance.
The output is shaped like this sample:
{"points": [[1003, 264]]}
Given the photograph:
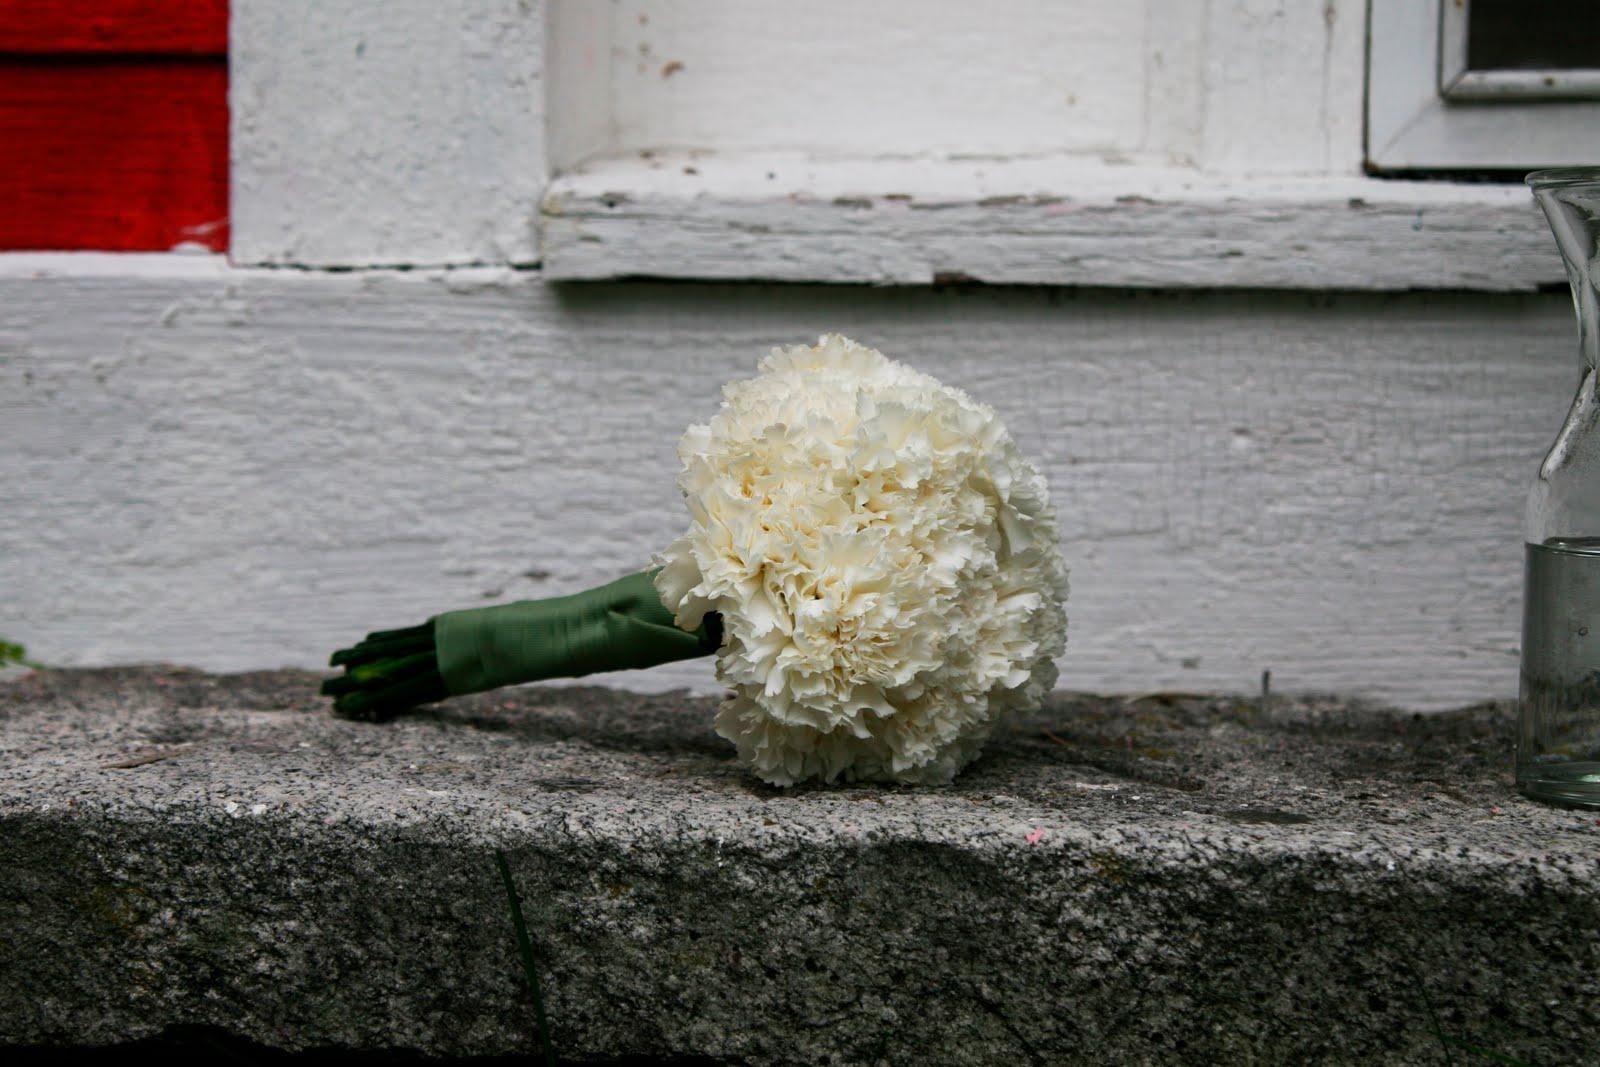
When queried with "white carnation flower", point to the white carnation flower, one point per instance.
{"points": [[884, 560]]}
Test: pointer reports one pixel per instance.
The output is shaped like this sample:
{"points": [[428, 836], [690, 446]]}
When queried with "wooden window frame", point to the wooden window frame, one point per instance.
{"points": [[1426, 112], [1457, 81]]}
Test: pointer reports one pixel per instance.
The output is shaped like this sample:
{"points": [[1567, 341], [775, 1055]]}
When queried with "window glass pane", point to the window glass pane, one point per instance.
{"points": [[1533, 35]]}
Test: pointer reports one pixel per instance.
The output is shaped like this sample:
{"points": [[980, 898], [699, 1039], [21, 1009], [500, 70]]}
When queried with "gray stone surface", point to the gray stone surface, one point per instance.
{"points": [[1171, 879]]}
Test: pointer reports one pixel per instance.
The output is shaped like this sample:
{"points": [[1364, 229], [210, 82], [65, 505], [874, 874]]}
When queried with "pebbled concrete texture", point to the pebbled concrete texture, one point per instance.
{"points": [[1167, 878]]}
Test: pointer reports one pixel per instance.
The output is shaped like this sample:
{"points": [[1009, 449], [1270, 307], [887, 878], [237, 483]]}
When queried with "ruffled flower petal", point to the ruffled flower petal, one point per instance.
{"points": [[885, 562]]}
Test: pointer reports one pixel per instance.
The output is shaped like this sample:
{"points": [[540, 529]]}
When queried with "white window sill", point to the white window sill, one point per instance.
{"points": [[1052, 221]]}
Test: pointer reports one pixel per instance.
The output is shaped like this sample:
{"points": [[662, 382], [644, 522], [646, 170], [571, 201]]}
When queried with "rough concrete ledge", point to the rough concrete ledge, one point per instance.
{"points": [[1171, 879]]}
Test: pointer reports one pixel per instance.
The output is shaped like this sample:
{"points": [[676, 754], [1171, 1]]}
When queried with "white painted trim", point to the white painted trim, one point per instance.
{"points": [[1412, 126], [1458, 82], [1160, 82], [1050, 220], [577, 80], [1281, 84], [1454, 23], [166, 265], [186, 267], [1489, 85]]}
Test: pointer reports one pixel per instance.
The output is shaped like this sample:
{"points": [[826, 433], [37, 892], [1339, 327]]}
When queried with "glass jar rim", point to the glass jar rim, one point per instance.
{"points": [[1563, 177]]}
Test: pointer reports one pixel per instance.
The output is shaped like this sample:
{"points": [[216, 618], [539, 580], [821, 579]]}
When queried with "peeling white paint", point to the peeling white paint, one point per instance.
{"points": [[1046, 220], [249, 469]]}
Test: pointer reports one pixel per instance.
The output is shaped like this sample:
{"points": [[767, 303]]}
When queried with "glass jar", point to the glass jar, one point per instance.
{"points": [[1558, 733]]}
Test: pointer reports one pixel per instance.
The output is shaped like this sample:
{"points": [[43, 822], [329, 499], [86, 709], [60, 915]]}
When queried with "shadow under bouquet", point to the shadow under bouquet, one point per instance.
{"points": [[870, 558]]}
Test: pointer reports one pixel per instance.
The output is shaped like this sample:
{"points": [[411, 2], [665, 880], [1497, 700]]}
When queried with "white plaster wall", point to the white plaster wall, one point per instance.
{"points": [[244, 469]]}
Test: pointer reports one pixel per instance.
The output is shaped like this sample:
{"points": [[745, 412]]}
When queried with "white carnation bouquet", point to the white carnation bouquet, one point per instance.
{"points": [[872, 560]]}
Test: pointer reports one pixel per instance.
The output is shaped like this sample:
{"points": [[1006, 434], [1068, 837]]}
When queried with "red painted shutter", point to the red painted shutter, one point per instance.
{"points": [[113, 124]]}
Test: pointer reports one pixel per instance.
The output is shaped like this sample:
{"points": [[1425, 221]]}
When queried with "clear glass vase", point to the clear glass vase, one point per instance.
{"points": [[1558, 734]]}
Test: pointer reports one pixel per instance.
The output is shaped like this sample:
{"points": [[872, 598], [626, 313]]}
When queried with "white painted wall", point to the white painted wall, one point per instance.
{"points": [[241, 467], [244, 469]]}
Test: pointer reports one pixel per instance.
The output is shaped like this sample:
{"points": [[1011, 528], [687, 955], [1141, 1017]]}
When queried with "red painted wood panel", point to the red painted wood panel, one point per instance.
{"points": [[152, 27], [113, 154], [113, 124]]}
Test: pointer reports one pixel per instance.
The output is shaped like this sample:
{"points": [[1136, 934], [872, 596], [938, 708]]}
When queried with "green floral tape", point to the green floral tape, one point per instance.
{"points": [[621, 626]]}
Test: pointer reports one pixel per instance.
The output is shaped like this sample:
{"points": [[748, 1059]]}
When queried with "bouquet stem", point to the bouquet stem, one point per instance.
{"points": [[618, 626]]}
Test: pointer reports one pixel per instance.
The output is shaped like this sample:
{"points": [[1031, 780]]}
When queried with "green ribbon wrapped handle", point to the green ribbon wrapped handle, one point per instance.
{"points": [[620, 626]]}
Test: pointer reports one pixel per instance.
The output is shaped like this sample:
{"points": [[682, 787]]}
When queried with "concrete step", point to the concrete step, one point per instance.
{"points": [[1173, 878]]}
